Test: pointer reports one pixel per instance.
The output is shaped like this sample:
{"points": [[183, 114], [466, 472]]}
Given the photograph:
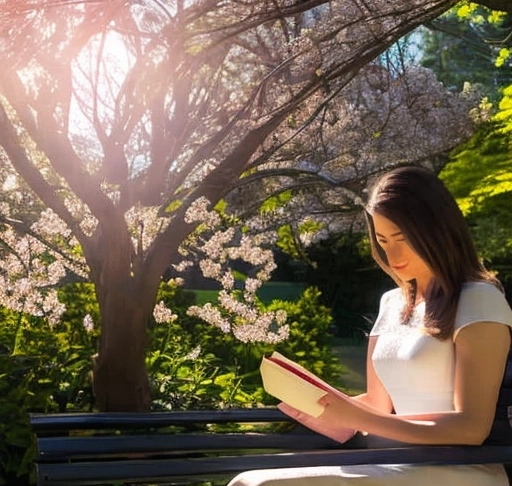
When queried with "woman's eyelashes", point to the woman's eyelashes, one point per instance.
{"points": [[382, 241]]}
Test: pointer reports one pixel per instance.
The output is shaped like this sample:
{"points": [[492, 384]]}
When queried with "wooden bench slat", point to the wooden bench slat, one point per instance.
{"points": [[136, 471], [66, 448], [119, 420]]}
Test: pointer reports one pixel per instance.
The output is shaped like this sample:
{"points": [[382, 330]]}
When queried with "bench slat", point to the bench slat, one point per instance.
{"points": [[136, 471], [67, 448], [120, 420]]}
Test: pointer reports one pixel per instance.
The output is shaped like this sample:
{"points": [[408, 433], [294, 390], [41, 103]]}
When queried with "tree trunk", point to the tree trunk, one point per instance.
{"points": [[120, 379]]}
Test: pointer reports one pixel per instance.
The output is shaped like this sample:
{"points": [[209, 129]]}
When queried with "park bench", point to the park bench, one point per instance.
{"points": [[195, 446]]}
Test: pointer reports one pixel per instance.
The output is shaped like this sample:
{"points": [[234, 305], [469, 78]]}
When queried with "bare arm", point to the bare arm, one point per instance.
{"points": [[480, 355]]}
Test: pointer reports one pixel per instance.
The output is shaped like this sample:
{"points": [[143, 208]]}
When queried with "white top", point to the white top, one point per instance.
{"points": [[416, 369]]}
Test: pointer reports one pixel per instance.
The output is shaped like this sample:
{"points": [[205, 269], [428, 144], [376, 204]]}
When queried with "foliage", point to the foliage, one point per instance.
{"points": [[504, 115], [469, 44], [17, 396], [350, 282], [42, 369], [183, 375], [310, 335], [182, 379], [479, 176], [308, 343], [30, 372]]}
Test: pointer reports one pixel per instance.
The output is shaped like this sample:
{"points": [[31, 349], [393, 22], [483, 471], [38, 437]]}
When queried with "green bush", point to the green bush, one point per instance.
{"points": [[42, 369], [24, 388], [308, 344], [184, 374]]}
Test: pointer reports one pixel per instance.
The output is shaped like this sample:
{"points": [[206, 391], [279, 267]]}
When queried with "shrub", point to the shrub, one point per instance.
{"points": [[308, 344]]}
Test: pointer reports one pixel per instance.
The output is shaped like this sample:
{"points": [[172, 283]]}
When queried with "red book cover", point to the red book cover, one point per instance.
{"points": [[293, 384]]}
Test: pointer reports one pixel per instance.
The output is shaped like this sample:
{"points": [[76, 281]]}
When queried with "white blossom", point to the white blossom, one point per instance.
{"points": [[198, 212], [194, 354], [210, 314], [183, 265], [237, 310], [162, 314], [88, 323], [144, 224]]}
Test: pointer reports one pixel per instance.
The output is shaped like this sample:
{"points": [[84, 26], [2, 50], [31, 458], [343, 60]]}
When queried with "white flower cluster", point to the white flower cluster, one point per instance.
{"points": [[194, 354], [52, 232], [88, 323], [27, 280], [198, 212], [88, 223], [238, 309], [51, 224], [163, 314]]}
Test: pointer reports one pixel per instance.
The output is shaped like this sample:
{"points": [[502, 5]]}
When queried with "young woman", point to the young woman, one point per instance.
{"points": [[437, 351]]}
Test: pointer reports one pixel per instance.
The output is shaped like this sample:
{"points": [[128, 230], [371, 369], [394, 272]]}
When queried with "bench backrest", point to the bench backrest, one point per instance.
{"points": [[501, 432], [104, 448]]}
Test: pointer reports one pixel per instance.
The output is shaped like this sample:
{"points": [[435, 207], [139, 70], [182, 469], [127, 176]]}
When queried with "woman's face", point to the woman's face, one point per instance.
{"points": [[402, 259]]}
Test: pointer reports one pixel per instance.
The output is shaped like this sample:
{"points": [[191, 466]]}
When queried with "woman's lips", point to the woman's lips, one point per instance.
{"points": [[399, 267]]}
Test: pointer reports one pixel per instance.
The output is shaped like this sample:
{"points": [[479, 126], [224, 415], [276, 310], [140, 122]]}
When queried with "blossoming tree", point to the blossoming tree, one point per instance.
{"points": [[116, 117]]}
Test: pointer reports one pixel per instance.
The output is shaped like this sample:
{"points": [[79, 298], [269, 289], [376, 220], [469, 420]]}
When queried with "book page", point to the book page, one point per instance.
{"points": [[294, 384], [290, 388]]}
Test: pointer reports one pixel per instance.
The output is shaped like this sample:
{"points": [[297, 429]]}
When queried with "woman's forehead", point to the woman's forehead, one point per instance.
{"points": [[385, 226]]}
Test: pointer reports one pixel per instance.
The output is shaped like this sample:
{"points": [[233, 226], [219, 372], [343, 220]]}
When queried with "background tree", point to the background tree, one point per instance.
{"points": [[120, 115], [359, 134], [480, 177], [469, 45]]}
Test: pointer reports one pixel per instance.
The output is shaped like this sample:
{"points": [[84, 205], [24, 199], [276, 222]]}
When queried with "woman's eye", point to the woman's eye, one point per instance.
{"points": [[382, 242]]}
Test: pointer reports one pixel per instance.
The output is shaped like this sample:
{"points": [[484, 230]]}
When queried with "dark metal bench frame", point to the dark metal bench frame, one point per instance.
{"points": [[138, 448]]}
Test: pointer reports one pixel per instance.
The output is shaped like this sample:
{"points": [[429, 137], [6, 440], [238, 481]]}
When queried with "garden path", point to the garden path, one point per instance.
{"points": [[354, 358]]}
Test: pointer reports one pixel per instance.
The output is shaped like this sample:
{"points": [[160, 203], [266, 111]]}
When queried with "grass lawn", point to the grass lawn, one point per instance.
{"points": [[268, 292], [353, 356]]}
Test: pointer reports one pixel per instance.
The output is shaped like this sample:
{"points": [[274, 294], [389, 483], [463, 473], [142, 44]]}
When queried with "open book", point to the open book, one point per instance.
{"points": [[294, 384]]}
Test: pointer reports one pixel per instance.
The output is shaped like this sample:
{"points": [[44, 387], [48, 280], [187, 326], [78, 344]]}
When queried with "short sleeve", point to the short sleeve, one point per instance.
{"points": [[481, 302], [388, 309]]}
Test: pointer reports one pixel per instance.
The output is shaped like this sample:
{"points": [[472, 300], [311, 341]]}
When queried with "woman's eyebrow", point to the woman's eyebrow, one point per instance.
{"points": [[393, 235]]}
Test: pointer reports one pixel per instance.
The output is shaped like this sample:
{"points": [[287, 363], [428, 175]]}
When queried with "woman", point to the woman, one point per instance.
{"points": [[437, 351]]}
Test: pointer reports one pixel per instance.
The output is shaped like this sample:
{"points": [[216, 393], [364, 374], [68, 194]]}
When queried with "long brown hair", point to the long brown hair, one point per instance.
{"points": [[418, 202]]}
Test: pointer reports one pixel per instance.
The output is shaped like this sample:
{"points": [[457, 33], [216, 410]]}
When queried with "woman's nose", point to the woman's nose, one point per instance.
{"points": [[394, 253]]}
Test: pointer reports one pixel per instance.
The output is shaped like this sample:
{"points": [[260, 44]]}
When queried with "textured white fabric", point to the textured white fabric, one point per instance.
{"points": [[417, 370], [375, 475]]}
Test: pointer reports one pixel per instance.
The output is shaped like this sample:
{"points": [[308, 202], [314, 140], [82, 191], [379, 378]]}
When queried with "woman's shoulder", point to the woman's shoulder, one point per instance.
{"points": [[483, 292], [482, 302], [392, 296], [481, 286], [391, 303]]}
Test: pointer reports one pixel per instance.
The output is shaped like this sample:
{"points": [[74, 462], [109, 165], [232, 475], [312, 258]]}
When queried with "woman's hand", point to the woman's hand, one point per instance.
{"points": [[323, 424], [341, 411]]}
